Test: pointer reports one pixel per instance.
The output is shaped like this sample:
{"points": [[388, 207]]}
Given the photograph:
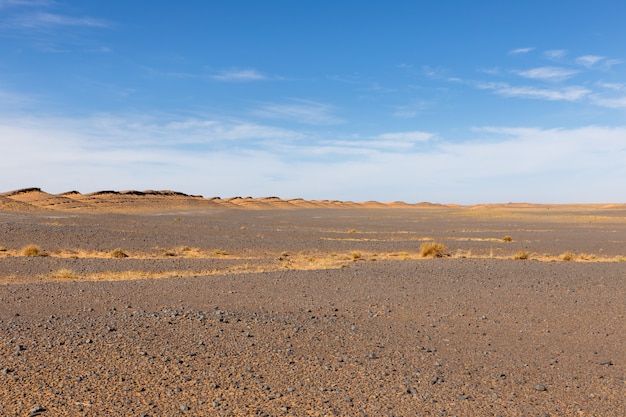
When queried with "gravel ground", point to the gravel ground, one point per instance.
{"points": [[432, 337]]}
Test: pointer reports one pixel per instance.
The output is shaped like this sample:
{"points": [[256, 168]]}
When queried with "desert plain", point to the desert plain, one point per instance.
{"points": [[158, 303]]}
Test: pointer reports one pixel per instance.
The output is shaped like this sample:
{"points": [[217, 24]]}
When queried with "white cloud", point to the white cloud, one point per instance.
{"points": [[42, 20], [239, 75], [560, 94], [555, 54], [588, 60], [613, 86], [547, 73], [612, 103], [520, 51], [300, 111], [502, 164]]}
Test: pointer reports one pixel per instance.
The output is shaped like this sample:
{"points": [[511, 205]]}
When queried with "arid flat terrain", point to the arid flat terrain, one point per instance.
{"points": [[157, 303]]}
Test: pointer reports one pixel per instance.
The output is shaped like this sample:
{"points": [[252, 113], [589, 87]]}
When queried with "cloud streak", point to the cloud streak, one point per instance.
{"points": [[239, 75], [46, 20], [300, 111], [573, 93], [547, 73], [519, 51]]}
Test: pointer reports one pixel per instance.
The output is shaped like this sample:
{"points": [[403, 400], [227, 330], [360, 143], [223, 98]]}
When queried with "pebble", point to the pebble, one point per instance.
{"points": [[36, 410], [539, 387]]}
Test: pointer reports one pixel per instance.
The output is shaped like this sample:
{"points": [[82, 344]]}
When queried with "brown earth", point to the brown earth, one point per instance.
{"points": [[275, 307]]}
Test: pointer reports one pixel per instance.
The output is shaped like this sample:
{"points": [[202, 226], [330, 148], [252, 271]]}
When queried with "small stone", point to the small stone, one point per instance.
{"points": [[36, 410], [184, 407], [539, 387]]}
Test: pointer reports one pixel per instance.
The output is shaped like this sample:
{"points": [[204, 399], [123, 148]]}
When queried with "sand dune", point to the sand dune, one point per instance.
{"points": [[150, 200]]}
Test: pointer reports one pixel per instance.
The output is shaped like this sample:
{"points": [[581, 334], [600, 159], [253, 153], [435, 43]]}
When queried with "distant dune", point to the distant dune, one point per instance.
{"points": [[29, 199]]}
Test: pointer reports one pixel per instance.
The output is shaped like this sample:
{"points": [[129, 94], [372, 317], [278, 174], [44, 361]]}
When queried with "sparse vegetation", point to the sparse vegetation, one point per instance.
{"points": [[585, 257], [118, 253], [352, 231], [219, 252], [33, 250], [64, 274], [432, 250], [507, 238], [356, 255], [521, 255], [567, 256]]}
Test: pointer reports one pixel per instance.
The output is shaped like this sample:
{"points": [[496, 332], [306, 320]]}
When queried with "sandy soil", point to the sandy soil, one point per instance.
{"points": [[272, 308]]}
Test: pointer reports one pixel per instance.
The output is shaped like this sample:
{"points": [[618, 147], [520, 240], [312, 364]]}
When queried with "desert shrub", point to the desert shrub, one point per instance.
{"points": [[507, 238], [220, 252], [521, 255], [567, 256], [432, 250], [585, 257], [31, 250], [356, 255], [118, 253]]}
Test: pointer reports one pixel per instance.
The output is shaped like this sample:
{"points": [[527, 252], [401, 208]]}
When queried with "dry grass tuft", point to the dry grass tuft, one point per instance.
{"points": [[521, 255], [64, 274], [219, 252], [33, 250], [432, 250], [507, 238], [567, 256], [118, 253], [356, 255], [585, 257]]}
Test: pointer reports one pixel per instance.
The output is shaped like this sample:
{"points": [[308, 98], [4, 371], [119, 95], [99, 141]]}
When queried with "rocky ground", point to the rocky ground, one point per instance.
{"points": [[475, 332]]}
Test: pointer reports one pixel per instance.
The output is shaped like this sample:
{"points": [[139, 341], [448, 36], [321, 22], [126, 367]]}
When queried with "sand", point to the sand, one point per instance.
{"points": [[270, 307]]}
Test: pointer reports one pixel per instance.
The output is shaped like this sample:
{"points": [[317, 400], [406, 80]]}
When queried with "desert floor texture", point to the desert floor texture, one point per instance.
{"points": [[161, 304]]}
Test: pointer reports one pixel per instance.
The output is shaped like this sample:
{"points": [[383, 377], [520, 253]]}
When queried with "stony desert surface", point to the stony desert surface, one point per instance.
{"points": [[157, 303]]}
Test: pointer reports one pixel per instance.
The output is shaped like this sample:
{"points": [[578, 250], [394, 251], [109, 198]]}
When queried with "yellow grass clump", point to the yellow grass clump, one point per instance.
{"points": [[432, 250], [118, 253], [507, 238], [64, 274], [32, 250], [521, 255], [567, 256]]}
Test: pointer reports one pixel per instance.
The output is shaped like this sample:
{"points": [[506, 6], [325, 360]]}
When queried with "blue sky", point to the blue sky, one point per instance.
{"points": [[447, 101]]}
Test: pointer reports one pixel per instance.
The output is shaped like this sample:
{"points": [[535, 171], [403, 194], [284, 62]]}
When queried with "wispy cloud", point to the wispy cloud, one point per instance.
{"points": [[236, 75], [46, 20], [560, 94], [300, 111], [613, 86], [520, 51], [611, 103], [589, 60], [411, 110], [555, 54], [548, 73]]}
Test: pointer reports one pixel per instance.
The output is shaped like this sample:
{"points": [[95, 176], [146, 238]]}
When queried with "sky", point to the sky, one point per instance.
{"points": [[441, 101]]}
